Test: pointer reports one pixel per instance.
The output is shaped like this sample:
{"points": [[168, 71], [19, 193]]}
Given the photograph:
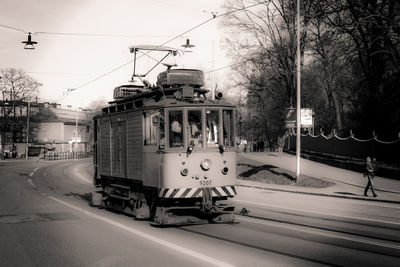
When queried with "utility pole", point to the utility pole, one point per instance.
{"points": [[298, 106], [76, 130], [27, 129], [213, 72]]}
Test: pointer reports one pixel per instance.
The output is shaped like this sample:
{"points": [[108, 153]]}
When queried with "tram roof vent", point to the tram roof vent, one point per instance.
{"points": [[181, 77], [124, 91], [187, 92]]}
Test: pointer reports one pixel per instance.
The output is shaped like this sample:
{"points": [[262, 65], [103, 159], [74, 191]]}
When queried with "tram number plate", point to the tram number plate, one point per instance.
{"points": [[205, 182]]}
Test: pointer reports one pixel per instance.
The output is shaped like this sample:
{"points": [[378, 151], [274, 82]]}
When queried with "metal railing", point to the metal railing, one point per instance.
{"points": [[65, 155]]}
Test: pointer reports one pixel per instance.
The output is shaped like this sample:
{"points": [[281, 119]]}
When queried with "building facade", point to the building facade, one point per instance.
{"points": [[51, 128]]}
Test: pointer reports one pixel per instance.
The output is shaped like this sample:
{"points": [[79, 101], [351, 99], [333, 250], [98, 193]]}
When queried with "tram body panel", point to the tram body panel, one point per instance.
{"points": [[119, 146], [152, 169], [179, 170], [167, 152]]}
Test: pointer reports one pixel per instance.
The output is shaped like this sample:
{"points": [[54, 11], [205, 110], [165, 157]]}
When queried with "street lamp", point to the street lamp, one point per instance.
{"points": [[29, 44], [188, 46], [76, 129], [27, 129]]}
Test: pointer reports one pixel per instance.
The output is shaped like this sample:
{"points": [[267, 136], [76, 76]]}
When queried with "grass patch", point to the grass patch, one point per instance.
{"points": [[255, 171]]}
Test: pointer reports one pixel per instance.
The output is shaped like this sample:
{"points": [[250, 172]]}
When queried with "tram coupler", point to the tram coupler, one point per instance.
{"points": [[207, 204], [173, 216], [205, 212]]}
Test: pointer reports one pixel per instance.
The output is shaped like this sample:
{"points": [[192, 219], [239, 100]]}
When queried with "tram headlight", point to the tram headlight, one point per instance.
{"points": [[184, 172], [225, 170], [205, 164]]}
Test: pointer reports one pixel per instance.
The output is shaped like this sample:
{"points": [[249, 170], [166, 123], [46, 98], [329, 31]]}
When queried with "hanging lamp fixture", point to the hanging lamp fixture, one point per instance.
{"points": [[29, 44], [188, 46]]}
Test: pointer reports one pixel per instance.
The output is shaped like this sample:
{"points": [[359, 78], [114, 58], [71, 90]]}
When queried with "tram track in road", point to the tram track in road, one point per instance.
{"points": [[395, 225], [296, 241], [385, 231], [235, 241], [326, 232], [360, 233], [298, 236], [61, 178], [357, 229]]}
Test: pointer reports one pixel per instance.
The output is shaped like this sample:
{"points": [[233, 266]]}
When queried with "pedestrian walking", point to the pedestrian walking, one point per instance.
{"points": [[262, 144], [369, 174], [281, 143]]}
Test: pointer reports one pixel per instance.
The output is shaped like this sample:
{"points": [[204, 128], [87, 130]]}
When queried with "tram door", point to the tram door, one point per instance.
{"points": [[118, 148]]}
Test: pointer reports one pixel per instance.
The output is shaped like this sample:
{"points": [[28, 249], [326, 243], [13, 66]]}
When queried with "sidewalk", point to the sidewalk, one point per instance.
{"points": [[349, 184]]}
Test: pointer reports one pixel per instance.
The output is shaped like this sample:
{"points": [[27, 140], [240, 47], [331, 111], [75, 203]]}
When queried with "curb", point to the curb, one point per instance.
{"points": [[325, 195]]}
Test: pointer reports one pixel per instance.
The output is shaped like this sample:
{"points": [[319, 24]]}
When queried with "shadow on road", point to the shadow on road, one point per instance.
{"points": [[85, 196]]}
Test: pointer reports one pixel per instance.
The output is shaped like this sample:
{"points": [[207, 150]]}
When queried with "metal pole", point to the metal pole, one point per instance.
{"points": [[213, 73], [27, 130], [76, 130], [298, 125]]}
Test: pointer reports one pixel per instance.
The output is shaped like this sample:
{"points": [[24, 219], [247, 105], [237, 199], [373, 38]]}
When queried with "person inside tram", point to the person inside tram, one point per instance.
{"points": [[211, 131], [195, 135], [212, 127], [194, 130], [176, 136]]}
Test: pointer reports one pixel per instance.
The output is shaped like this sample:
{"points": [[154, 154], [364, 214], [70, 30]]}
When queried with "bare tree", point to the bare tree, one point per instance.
{"points": [[372, 27], [16, 88], [262, 42], [351, 59], [18, 85], [329, 67]]}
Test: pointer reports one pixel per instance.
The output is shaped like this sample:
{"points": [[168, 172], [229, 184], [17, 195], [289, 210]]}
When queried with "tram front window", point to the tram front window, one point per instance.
{"points": [[195, 131], [229, 137], [213, 126], [175, 118]]}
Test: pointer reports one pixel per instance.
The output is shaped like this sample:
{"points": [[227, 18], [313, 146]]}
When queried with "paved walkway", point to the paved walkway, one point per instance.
{"points": [[349, 184]]}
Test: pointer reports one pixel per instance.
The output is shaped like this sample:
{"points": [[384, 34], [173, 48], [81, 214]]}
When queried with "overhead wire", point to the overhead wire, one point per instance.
{"points": [[221, 68], [12, 28], [214, 16], [101, 34]]}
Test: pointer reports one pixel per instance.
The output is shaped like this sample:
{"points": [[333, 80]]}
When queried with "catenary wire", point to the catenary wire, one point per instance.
{"points": [[214, 16]]}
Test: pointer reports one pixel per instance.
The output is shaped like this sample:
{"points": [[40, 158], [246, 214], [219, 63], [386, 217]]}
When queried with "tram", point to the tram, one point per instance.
{"points": [[165, 152]]}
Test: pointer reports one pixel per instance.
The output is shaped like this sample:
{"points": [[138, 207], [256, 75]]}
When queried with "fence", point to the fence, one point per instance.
{"points": [[350, 152], [65, 155], [350, 147]]}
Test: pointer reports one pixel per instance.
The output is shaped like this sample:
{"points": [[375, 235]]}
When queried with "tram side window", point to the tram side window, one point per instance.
{"points": [[162, 129], [228, 123], [213, 126], [195, 135], [150, 128], [175, 118]]}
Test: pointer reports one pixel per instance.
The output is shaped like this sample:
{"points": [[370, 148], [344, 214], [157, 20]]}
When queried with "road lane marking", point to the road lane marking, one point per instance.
{"points": [[51, 186], [289, 226], [33, 172], [314, 212], [76, 172], [30, 179], [157, 240], [32, 184]]}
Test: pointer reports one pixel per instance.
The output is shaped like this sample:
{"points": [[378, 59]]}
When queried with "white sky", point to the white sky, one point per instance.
{"points": [[60, 62]]}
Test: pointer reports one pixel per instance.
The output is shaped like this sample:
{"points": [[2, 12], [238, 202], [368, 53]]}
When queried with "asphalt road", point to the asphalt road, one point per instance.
{"points": [[45, 220]]}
